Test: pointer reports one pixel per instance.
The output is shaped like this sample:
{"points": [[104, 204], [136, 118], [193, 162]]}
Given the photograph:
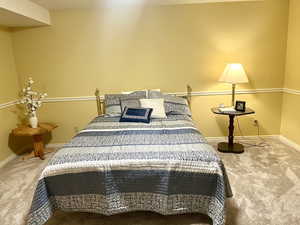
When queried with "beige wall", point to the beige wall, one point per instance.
{"points": [[290, 123], [158, 47], [290, 126], [163, 47], [8, 75], [8, 90]]}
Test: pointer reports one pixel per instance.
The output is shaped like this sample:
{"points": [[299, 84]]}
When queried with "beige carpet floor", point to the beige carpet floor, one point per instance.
{"points": [[265, 181]]}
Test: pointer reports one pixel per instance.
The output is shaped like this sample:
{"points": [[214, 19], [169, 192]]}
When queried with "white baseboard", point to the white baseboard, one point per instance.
{"points": [[55, 145], [219, 139], [7, 160], [290, 143], [13, 156]]}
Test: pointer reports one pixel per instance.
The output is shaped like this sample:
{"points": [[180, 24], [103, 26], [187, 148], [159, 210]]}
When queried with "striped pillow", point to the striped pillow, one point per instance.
{"points": [[132, 102], [113, 103], [176, 105], [173, 105]]}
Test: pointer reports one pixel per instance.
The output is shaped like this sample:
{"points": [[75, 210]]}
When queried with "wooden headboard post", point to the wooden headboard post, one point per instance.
{"points": [[189, 95], [99, 103]]}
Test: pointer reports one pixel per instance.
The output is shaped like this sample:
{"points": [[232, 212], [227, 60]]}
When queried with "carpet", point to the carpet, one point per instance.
{"points": [[265, 182]]}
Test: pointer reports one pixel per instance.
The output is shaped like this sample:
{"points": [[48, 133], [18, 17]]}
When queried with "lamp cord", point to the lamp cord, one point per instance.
{"points": [[263, 142]]}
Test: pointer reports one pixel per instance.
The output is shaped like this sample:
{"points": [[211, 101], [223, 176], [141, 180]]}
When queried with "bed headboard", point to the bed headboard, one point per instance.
{"points": [[101, 107]]}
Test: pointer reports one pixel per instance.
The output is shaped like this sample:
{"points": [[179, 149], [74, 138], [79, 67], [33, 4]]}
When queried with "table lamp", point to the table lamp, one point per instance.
{"points": [[234, 74]]}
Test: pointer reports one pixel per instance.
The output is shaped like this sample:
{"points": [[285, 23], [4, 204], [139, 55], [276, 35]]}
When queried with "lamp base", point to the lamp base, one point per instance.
{"points": [[233, 94], [230, 148]]}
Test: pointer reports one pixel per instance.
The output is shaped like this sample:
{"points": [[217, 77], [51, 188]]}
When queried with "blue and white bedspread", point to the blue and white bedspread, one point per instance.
{"points": [[110, 167]]}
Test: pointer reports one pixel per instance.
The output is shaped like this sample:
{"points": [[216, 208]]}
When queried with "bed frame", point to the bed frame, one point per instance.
{"points": [[100, 101]]}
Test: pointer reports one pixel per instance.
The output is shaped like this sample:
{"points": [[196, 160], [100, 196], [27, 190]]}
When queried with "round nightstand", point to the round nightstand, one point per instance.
{"points": [[230, 146], [37, 136]]}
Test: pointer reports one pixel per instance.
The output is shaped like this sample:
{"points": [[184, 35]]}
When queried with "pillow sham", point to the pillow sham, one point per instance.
{"points": [[130, 103], [113, 104], [155, 94], [137, 115], [173, 105], [130, 92], [176, 105], [147, 91], [157, 105]]}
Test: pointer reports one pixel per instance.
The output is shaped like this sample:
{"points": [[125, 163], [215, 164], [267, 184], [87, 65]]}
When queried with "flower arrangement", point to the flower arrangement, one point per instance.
{"points": [[31, 99]]}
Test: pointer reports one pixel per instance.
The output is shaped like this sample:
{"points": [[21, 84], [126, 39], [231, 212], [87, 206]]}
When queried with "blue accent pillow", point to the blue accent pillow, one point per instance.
{"points": [[138, 115]]}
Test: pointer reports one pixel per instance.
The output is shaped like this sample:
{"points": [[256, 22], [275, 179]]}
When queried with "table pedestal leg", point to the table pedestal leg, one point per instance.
{"points": [[38, 146], [230, 146]]}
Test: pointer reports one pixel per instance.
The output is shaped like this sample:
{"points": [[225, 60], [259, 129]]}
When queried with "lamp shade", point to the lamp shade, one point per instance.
{"points": [[234, 74]]}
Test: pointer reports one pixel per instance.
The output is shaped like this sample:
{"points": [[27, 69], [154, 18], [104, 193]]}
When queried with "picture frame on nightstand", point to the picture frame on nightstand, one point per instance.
{"points": [[240, 106]]}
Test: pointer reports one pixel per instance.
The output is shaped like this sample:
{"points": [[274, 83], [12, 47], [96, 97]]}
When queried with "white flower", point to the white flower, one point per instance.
{"points": [[31, 99]]}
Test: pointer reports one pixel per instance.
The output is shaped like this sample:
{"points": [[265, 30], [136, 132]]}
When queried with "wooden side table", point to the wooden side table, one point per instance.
{"points": [[230, 146], [37, 136]]}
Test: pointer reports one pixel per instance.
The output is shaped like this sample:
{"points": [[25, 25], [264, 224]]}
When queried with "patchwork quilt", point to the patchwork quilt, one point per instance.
{"points": [[110, 167]]}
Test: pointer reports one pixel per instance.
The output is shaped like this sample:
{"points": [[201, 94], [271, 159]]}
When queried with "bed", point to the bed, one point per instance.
{"points": [[110, 167]]}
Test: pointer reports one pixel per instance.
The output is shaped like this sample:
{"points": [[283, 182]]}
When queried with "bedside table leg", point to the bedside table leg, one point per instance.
{"points": [[230, 146], [231, 130], [38, 146]]}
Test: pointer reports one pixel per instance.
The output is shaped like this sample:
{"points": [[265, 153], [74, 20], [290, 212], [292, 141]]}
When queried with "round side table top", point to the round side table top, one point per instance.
{"points": [[26, 130], [235, 113]]}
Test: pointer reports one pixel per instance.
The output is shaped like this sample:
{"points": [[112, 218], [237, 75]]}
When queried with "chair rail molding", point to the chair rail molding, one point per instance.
{"points": [[197, 93], [291, 91], [229, 92], [8, 104]]}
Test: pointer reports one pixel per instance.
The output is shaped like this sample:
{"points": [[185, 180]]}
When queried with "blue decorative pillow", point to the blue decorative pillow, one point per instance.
{"points": [[138, 115]]}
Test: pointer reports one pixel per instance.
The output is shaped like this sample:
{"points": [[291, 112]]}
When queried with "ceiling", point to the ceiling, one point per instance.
{"points": [[24, 13], [68, 4], [10, 19]]}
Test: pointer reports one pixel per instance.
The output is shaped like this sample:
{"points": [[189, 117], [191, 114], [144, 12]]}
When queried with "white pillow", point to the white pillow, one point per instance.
{"points": [[157, 105]]}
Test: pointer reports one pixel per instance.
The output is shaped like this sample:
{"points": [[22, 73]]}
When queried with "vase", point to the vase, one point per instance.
{"points": [[33, 121]]}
